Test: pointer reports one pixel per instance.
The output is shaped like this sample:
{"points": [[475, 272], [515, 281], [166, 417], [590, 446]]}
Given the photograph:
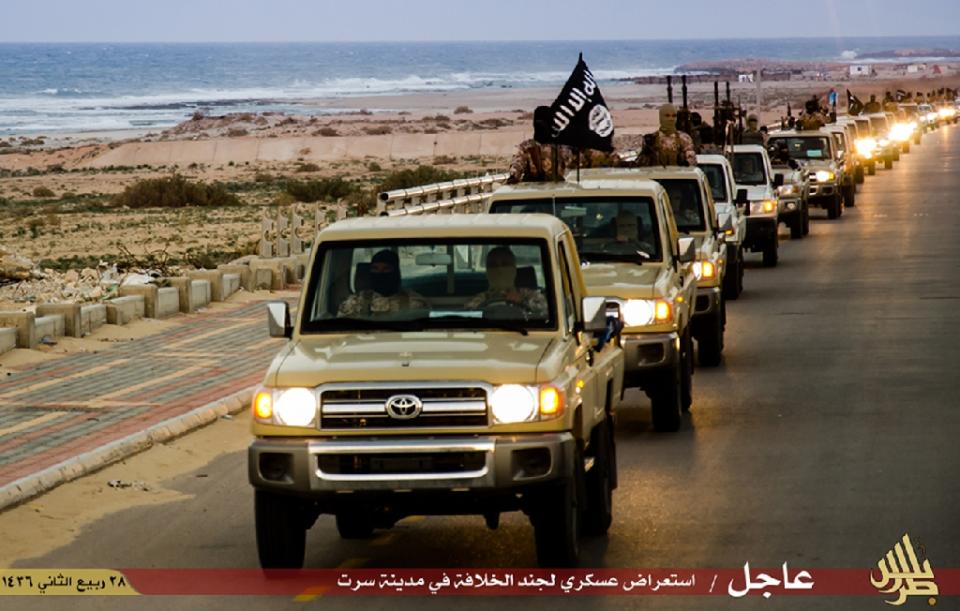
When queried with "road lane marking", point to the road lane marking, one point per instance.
{"points": [[312, 593], [31, 423], [53, 382]]}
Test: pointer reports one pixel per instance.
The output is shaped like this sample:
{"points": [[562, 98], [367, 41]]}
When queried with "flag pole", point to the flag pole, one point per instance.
{"points": [[578, 165]]}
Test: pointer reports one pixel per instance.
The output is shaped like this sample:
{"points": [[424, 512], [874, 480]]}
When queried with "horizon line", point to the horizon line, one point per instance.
{"points": [[479, 40]]}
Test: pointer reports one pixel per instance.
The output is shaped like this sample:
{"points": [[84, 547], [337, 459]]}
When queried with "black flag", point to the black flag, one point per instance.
{"points": [[854, 105], [580, 116]]}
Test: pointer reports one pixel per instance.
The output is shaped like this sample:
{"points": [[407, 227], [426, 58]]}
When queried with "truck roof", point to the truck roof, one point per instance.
{"points": [[800, 134], [642, 174], [593, 181], [712, 158], [748, 148], [446, 225]]}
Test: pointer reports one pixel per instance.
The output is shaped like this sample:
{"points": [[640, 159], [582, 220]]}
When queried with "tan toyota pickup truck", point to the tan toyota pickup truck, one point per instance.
{"points": [[448, 364], [630, 249]]}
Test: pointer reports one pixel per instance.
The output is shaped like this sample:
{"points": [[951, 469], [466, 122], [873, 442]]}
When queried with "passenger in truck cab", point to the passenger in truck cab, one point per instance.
{"points": [[378, 287], [505, 285]]}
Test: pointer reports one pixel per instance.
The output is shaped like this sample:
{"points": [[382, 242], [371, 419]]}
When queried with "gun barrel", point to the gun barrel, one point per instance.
{"points": [[683, 82], [669, 89]]}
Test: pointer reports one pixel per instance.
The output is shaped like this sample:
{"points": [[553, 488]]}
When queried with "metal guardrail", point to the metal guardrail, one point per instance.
{"points": [[462, 195]]}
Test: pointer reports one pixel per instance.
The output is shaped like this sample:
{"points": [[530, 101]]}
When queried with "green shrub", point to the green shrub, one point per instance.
{"points": [[323, 189], [174, 192], [462, 110], [43, 192], [308, 167]]}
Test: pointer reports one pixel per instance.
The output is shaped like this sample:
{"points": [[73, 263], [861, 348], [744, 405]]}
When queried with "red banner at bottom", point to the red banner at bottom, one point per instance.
{"points": [[739, 582]]}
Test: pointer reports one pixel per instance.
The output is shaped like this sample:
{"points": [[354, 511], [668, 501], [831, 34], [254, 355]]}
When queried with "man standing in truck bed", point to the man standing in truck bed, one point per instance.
{"points": [[667, 146]]}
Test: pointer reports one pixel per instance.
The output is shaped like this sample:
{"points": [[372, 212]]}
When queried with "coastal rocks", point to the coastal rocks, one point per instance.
{"points": [[14, 266]]}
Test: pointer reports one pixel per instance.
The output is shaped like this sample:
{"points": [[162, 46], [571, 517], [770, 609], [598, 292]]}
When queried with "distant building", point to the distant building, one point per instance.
{"points": [[745, 78], [915, 68], [860, 70]]}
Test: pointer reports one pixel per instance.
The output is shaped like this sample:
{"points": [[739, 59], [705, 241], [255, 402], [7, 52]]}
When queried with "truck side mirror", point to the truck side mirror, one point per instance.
{"points": [[726, 223], [278, 319], [777, 180], [741, 197], [594, 314], [688, 250]]}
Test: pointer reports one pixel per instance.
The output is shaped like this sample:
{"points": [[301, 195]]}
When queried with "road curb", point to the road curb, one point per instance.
{"points": [[25, 488]]}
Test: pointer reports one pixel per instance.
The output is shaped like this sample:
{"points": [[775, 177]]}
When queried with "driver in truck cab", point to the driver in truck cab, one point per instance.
{"points": [[502, 285], [378, 289]]}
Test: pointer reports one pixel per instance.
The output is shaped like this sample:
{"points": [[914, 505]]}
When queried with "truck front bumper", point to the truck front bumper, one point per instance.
{"points": [[708, 301], [319, 467], [823, 191], [647, 354]]}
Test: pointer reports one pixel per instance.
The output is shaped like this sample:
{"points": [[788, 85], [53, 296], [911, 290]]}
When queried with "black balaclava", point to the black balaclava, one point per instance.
{"points": [[542, 130], [385, 283]]}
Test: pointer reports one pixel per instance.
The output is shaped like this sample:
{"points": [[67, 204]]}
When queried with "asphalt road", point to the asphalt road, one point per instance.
{"points": [[830, 430]]}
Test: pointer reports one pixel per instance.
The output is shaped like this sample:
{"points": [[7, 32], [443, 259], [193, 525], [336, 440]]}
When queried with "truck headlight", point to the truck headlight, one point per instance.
{"points": [[765, 206], [643, 312], [883, 142], [285, 406], [825, 176], [704, 270], [513, 403], [788, 190]]}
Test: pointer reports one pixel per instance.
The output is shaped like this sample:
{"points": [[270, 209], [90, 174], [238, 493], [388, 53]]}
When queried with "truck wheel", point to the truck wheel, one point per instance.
{"points": [[281, 534], [666, 401], [896, 154], [556, 520], [599, 482], [850, 196], [354, 524], [858, 175], [887, 162], [710, 342], [872, 169], [771, 253], [731, 281], [905, 147], [833, 208], [806, 219], [686, 371], [796, 227]]}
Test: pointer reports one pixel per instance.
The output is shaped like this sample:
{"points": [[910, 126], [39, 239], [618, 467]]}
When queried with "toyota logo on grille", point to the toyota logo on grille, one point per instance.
{"points": [[404, 407]]}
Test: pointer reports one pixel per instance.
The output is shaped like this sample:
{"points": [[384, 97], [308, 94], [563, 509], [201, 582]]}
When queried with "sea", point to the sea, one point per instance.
{"points": [[81, 87]]}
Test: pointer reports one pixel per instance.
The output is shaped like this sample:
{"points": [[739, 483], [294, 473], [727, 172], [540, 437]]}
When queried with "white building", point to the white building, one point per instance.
{"points": [[860, 70]]}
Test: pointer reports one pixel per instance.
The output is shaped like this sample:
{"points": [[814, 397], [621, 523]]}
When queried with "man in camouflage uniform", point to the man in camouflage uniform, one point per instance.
{"points": [[384, 295], [534, 161], [753, 135], [501, 279], [872, 106], [812, 119], [667, 146]]}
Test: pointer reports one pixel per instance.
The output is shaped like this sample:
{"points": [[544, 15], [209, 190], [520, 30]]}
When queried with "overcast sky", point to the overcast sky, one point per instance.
{"points": [[327, 20]]}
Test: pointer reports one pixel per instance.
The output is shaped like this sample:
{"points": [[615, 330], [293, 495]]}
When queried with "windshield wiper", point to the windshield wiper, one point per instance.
{"points": [[491, 323], [347, 323]]}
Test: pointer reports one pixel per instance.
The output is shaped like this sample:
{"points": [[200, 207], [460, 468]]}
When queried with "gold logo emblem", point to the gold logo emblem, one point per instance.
{"points": [[903, 574]]}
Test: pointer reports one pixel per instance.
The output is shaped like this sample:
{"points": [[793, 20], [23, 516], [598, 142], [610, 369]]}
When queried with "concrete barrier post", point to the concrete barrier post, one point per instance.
{"points": [[72, 326], [149, 294], [25, 324]]}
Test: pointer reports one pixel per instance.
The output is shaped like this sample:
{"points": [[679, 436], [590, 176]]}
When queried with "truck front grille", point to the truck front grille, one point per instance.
{"points": [[400, 464], [366, 408]]}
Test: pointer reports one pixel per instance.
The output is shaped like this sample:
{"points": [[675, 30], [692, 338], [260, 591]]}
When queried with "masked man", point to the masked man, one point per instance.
{"points": [[667, 146], [384, 295]]}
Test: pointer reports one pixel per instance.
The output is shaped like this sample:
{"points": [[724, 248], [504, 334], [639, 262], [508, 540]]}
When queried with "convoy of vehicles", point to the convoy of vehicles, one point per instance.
{"points": [[474, 363]]}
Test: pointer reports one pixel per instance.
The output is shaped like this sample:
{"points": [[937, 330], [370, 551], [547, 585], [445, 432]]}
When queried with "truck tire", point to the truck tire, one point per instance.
{"points": [[872, 168], [896, 153], [355, 524], [771, 253], [806, 219], [888, 162], [599, 482], [858, 175], [666, 402], [850, 196], [733, 280], [917, 138], [905, 147], [710, 342], [281, 530], [556, 520], [833, 208], [796, 227], [686, 371]]}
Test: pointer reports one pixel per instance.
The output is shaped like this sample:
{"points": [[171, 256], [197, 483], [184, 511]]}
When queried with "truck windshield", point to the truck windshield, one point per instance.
{"points": [[686, 201], [805, 147], [879, 125], [424, 284], [748, 169], [718, 186], [604, 228]]}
